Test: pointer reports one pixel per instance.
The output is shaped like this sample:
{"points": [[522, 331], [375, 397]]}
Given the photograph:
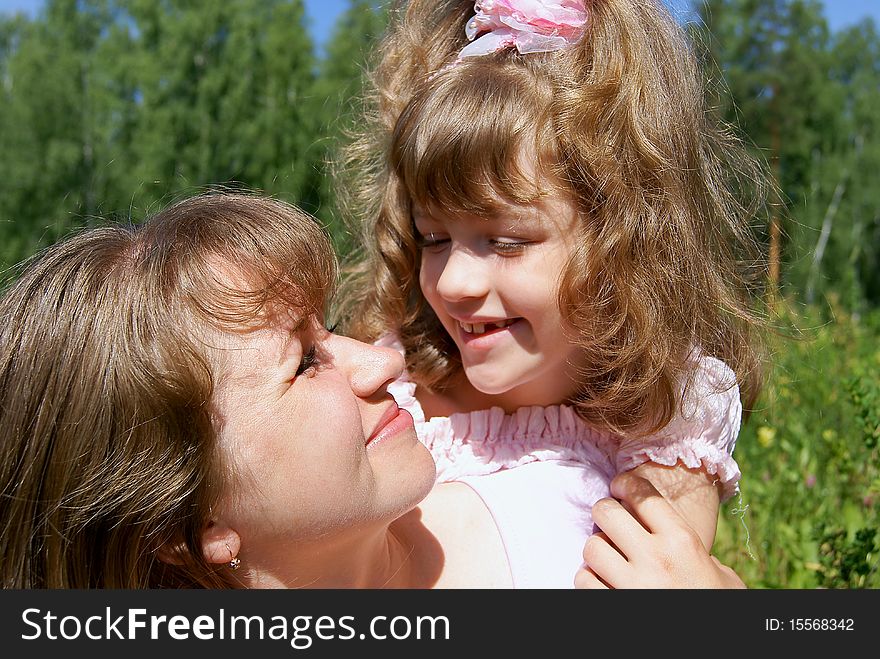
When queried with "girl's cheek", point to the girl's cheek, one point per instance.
{"points": [[427, 281]]}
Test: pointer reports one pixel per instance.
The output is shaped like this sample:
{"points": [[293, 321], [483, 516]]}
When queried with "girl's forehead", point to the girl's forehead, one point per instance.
{"points": [[548, 210]]}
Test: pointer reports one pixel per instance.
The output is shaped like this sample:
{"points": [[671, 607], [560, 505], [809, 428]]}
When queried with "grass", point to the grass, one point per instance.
{"points": [[807, 514]]}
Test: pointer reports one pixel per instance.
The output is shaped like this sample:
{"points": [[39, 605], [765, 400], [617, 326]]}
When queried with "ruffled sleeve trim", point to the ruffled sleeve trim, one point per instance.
{"points": [[486, 441], [703, 435]]}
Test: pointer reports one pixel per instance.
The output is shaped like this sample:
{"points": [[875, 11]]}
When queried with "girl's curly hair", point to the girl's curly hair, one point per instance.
{"points": [[666, 261]]}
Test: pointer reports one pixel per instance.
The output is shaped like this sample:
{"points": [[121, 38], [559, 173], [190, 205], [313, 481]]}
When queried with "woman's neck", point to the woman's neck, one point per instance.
{"points": [[403, 554]]}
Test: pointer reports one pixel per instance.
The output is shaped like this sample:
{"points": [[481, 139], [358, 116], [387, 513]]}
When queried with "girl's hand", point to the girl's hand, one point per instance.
{"points": [[645, 543]]}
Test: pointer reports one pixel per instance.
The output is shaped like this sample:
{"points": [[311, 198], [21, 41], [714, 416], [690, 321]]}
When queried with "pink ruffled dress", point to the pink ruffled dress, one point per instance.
{"points": [[541, 469]]}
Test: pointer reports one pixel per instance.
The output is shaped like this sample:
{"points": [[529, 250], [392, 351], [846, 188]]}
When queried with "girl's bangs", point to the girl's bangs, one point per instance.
{"points": [[468, 143]]}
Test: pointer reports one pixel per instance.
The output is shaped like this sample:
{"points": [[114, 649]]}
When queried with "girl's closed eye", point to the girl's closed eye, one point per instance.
{"points": [[509, 246], [431, 240]]}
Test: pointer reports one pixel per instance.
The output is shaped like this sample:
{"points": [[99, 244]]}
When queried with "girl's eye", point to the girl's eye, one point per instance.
{"points": [[508, 246], [431, 240], [309, 362]]}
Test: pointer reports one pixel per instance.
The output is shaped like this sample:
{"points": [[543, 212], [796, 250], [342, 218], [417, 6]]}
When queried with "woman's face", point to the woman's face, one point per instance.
{"points": [[313, 443]]}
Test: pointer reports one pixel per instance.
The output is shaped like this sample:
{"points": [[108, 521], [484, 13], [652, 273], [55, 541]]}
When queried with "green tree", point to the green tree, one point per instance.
{"points": [[774, 59], [809, 101], [339, 95], [58, 106], [224, 92], [845, 257]]}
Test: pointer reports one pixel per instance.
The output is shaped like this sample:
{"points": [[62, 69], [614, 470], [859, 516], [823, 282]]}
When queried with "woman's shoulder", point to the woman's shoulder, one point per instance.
{"points": [[473, 554]]}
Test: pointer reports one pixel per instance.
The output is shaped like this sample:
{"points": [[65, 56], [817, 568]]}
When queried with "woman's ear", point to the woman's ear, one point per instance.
{"points": [[220, 544]]}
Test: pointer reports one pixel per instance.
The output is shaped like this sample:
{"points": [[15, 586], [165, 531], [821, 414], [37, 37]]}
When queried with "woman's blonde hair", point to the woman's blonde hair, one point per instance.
{"points": [[107, 450], [666, 261]]}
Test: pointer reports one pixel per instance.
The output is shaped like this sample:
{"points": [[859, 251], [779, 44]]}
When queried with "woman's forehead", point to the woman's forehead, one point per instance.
{"points": [[242, 299], [245, 356]]}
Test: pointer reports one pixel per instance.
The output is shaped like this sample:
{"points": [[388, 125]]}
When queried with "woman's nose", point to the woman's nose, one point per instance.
{"points": [[370, 368]]}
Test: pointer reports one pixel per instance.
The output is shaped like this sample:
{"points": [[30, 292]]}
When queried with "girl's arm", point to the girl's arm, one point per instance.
{"points": [[692, 493], [703, 436]]}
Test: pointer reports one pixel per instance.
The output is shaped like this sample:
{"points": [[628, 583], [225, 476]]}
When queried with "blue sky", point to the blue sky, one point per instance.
{"points": [[323, 13]]}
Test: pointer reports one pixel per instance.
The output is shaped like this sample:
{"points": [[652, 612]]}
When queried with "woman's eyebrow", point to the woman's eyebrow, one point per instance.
{"points": [[292, 338]]}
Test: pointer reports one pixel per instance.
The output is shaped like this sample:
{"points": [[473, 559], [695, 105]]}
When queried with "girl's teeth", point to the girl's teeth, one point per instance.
{"points": [[480, 328]]}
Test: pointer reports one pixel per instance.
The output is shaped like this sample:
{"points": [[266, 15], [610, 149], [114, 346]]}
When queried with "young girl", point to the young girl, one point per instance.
{"points": [[554, 240]]}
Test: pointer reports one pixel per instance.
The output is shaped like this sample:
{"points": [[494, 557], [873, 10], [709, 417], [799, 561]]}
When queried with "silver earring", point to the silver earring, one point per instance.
{"points": [[234, 562]]}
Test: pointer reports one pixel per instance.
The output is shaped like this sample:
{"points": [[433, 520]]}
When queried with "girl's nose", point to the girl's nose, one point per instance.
{"points": [[463, 276]]}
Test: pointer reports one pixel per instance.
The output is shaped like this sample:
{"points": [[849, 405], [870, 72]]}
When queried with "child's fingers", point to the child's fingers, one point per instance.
{"points": [[605, 561], [646, 503], [599, 533], [622, 529], [586, 579]]}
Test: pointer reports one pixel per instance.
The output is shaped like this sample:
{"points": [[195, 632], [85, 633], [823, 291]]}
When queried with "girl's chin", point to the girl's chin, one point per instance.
{"points": [[488, 383]]}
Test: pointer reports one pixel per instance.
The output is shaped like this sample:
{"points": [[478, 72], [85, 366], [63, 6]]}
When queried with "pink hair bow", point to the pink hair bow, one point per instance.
{"points": [[532, 26]]}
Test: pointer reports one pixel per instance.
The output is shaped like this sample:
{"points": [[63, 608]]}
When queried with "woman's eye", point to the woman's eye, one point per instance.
{"points": [[507, 246], [309, 362]]}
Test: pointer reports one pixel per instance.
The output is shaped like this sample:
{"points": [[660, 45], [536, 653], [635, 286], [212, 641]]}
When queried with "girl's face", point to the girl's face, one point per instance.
{"points": [[493, 284], [314, 445]]}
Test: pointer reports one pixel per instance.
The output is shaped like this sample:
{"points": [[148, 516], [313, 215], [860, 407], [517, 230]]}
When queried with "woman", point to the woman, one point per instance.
{"points": [[173, 414]]}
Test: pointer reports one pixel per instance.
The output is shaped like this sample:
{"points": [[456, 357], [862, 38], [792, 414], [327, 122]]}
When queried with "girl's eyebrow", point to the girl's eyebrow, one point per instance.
{"points": [[515, 216], [508, 216], [419, 213]]}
